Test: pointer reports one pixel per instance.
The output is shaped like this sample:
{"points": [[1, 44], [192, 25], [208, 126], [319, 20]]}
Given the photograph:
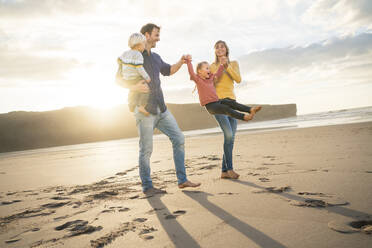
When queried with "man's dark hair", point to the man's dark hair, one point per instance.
{"points": [[148, 28]]}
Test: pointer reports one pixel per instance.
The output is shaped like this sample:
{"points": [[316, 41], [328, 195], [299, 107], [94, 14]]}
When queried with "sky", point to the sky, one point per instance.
{"points": [[61, 53]]}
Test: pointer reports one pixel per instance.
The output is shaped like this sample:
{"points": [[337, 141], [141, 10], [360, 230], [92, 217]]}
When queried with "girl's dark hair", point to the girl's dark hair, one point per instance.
{"points": [[227, 51], [199, 66]]}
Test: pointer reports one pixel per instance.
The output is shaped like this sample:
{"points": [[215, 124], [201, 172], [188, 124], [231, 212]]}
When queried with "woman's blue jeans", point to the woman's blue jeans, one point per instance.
{"points": [[228, 126]]}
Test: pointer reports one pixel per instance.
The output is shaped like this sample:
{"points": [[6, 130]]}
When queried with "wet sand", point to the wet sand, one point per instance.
{"points": [[307, 187]]}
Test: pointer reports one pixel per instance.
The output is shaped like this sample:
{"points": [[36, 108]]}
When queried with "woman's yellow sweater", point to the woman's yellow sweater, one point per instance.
{"points": [[225, 84]]}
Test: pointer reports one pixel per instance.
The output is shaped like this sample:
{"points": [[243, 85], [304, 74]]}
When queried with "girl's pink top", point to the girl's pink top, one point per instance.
{"points": [[206, 89]]}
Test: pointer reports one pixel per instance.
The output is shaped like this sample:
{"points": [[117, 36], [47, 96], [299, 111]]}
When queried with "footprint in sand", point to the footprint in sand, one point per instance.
{"points": [[78, 227], [170, 216], [61, 217], [227, 193], [273, 190], [179, 212], [104, 194], [253, 174], [134, 197], [103, 182], [79, 190], [210, 157], [213, 158], [147, 237], [175, 214], [16, 237], [208, 167], [76, 204], [193, 191], [55, 204], [70, 224], [310, 193], [154, 210], [147, 230], [269, 164], [264, 179], [108, 211], [9, 202], [32, 194], [140, 220], [319, 203], [9, 241], [60, 198], [30, 213], [363, 226], [111, 236], [123, 209]]}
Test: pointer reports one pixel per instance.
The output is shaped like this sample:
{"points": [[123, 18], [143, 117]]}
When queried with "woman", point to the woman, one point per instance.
{"points": [[225, 90]]}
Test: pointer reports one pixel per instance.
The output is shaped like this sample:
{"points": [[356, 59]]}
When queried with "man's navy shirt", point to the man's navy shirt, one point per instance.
{"points": [[154, 65]]}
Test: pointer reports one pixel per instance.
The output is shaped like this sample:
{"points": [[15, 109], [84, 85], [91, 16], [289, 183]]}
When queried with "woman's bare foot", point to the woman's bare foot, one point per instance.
{"points": [[248, 117], [224, 175], [143, 110], [188, 184], [232, 174], [254, 110]]}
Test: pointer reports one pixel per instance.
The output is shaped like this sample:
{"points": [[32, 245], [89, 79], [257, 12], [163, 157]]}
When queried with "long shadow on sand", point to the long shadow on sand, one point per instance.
{"points": [[250, 232], [355, 214], [177, 234]]}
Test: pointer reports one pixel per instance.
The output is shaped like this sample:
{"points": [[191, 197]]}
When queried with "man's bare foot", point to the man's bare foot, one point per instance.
{"points": [[153, 191], [248, 117], [232, 174], [143, 110], [254, 110], [188, 184]]}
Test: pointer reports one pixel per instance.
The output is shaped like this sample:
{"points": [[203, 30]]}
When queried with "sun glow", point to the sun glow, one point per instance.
{"points": [[96, 88]]}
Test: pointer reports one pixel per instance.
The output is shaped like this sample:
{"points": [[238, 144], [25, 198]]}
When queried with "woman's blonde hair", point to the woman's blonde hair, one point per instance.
{"points": [[227, 51], [136, 39]]}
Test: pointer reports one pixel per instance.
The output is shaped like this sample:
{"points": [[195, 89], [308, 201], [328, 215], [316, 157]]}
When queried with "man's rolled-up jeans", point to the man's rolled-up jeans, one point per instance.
{"points": [[166, 123]]}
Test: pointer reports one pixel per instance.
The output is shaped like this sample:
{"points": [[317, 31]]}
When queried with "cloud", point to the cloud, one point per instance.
{"points": [[342, 15], [15, 65], [283, 60], [42, 8]]}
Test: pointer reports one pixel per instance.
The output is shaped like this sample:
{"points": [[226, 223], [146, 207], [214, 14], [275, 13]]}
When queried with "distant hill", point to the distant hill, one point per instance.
{"points": [[74, 125]]}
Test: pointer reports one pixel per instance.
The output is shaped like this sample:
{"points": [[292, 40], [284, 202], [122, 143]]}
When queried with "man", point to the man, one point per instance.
{"points": [[159, 117]]}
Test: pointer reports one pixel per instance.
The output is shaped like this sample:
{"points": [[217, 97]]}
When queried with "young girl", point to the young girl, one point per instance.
{"points": [[204, 80]]}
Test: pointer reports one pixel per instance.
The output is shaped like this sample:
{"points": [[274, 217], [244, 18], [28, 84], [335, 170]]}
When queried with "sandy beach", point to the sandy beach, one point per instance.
{"points": [[307, 187]]}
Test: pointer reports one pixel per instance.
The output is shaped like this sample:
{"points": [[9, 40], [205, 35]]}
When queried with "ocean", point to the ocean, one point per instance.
{"points": [[344, 116]]}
